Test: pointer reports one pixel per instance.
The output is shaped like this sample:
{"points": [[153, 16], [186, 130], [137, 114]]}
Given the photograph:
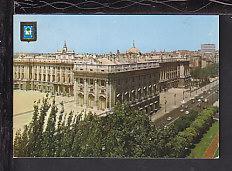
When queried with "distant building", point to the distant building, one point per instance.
{"points": [[208, 48], [209, 55], [195, 61]]}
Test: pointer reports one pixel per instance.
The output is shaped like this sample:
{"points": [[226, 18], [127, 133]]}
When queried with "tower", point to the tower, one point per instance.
{"points": [[65, 49]]}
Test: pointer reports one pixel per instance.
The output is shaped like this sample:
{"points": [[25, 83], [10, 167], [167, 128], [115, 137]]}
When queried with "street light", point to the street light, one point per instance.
{"points": [[183, 95], [175, 99], [165, 105], [190, 90]]}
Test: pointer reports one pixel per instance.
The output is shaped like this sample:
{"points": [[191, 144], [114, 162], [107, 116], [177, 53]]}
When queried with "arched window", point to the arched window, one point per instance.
{"points": [[80, 100], [102, 103]]}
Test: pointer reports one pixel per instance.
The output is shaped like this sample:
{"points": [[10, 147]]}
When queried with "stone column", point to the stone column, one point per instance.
{"points": [[110, 94], [32, 73], [42, 72], [113, 93], [61, 72], [56, 74], [107, 93], [96, 94], [85, 93], [75, 92], [37, 70], [66, 75], [46, 72]]}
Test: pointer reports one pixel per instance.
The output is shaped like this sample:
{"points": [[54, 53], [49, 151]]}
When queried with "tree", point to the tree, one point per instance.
{"points": [[49, 134], [18, 149], [59, 132], [36, 136]]}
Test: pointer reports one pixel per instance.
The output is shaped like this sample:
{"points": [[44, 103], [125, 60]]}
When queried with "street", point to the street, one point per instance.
{"points": [[209, 93]]}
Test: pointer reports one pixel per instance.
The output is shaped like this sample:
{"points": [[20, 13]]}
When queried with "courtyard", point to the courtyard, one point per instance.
{"points": [[23, 102]]}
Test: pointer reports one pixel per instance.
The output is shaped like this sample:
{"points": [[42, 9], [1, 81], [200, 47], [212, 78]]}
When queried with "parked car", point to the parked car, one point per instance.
{"points": [[169, 118], [186, 112]]}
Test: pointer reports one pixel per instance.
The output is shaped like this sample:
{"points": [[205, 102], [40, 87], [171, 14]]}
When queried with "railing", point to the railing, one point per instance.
{"points": [[32, 60], [170, 59], [114, 68]]}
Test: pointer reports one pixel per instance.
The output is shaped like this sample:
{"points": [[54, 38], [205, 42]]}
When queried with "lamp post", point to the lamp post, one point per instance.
{"points": [[175, 99], [183, 95], [165, 105], [190, 90], [191, 83]]}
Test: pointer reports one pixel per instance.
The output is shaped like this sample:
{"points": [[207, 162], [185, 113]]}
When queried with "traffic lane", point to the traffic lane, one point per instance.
{"points": [[174, 114], [211, 97], [177, 113]]}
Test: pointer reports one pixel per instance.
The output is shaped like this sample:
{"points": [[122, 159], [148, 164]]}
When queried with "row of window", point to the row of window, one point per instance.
{"points": [[168, 75], [42, 77], [90, 81], [44, 67], [130, 96], [102, 91], [138, 80]]}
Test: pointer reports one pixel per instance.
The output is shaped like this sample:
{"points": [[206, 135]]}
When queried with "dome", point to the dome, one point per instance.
{"points": [[133, 50]]}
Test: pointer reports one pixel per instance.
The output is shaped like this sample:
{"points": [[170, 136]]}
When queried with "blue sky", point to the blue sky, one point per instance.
{"points": [[107, 33]]}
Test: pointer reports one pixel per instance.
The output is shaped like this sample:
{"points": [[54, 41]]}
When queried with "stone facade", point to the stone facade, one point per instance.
{"points": [[49, 73], [98, 82], [99, 87]]}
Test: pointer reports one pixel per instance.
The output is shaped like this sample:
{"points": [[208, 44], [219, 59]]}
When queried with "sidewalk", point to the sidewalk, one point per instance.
{"points": [[174, 98]]}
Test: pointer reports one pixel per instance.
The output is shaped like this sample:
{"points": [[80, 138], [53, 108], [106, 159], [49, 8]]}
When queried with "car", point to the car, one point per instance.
{"points": [[169, 118], [181, 110], [206, 100], [186, 112], [186, 107], [202, 97], [199, 100]]}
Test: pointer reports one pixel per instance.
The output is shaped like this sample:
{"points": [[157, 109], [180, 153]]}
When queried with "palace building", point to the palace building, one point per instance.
{"points": [[46, 73], [98, 82]]}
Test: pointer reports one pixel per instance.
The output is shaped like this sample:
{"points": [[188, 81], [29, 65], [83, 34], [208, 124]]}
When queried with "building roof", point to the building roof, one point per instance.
{"points": [[133, 50]]}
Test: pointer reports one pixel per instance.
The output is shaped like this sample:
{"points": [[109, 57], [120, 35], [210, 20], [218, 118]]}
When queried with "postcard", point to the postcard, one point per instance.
{"points": [[116, 86]]}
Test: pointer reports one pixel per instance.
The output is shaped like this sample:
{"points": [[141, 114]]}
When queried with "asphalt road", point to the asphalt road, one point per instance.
{"points": [[211, 95]]}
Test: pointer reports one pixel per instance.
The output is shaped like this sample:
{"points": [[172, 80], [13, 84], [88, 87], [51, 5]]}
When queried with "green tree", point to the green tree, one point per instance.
{"points": [[18, 149], [49, 134], [36, 144]]}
